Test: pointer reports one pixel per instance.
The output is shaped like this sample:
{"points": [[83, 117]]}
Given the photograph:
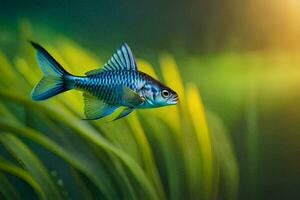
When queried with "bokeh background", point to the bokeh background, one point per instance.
{"points": [[242, 55]]}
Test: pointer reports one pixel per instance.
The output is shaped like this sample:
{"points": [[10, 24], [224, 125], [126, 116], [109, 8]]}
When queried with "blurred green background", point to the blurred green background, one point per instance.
{"points": [[242, 55]]}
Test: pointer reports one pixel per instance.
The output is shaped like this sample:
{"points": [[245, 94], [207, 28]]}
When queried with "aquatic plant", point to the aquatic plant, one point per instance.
{"points": [[178, 152]]}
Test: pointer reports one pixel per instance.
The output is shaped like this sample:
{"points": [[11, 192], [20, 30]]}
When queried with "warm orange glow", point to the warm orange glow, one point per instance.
{"points": [[288, 22], [276, 22], [294, 4]]}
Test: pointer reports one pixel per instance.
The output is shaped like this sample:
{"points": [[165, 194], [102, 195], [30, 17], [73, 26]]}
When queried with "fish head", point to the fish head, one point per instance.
{"points": [[156, 94]]}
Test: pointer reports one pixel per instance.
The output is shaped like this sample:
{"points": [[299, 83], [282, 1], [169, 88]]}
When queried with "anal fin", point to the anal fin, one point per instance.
{"points": [[95, 108]]}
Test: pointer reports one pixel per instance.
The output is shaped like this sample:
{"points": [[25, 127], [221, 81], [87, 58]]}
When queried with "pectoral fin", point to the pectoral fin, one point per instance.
{"points": [[95, 108], [130, 97], [125, 112]]}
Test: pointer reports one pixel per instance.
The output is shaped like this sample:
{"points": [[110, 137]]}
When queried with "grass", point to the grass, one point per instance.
{"points": [[166, 153]]}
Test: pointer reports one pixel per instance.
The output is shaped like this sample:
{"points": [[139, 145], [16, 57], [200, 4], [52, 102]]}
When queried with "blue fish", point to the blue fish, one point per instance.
{"points": [[117, 83]]}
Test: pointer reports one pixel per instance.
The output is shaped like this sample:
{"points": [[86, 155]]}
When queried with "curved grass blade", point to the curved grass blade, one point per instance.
{"points": [[79, 59], [228, 165], [31, 163], [196, 111], [6, 70], [115, 168], [7, 189], [170, 160], [84, 190], [171, 74], [87, 132], [145, 149], [22, 174], [93, 172]]}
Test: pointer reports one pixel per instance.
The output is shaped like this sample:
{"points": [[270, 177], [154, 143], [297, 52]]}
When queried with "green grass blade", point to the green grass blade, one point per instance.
{"points": [[91, 170], [198, 119], [146, 151], [84, 190], [22, 174], [31, 163], [171, 160], [89, 133], [7, 189], [228, 165]]}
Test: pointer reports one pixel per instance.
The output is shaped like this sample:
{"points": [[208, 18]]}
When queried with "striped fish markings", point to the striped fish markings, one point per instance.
{"points": [[117, 83]]}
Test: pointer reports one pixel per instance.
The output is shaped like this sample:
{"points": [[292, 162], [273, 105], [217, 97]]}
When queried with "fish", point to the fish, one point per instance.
{"points": [[117, 84]]}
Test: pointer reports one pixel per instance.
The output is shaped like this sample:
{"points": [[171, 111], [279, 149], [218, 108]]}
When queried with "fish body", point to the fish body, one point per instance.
{"points": [[117, 83]]}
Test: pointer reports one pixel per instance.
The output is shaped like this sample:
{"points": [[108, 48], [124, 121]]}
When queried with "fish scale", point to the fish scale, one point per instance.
{"points": [[103, 85]]}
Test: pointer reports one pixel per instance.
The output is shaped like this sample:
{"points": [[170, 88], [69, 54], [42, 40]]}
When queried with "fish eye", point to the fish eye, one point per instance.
{"points": [[165, 93]]}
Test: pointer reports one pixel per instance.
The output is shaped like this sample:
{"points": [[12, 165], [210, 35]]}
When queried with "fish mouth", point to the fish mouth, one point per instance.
{"points": [[174, 100]]}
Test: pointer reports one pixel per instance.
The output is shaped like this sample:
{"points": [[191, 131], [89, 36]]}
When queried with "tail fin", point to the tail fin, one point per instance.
{"points": [[52, 82]]}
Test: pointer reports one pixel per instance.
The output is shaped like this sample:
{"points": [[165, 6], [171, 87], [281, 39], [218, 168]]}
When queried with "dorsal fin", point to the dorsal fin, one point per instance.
{"points": [[122, 59]]}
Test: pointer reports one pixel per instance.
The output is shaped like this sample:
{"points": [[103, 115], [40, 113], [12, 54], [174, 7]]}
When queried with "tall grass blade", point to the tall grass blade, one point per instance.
{"points": [[7, 190], [31, 163], [89, 133], [7, 167], [196, 111]]}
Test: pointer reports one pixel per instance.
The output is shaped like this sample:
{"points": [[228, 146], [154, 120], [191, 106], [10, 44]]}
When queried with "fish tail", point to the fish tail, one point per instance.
{"points": [[53, 81]]}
